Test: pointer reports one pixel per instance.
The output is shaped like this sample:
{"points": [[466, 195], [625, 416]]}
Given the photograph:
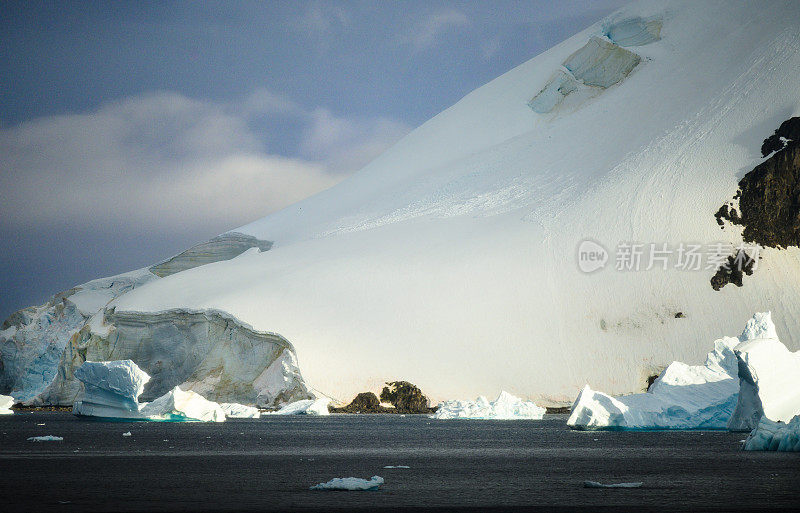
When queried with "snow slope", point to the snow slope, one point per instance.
{"points": [[450, 261]]}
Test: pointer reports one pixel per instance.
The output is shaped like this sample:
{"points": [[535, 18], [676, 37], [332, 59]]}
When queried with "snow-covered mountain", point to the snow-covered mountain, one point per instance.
{"points": [[452, 260]]}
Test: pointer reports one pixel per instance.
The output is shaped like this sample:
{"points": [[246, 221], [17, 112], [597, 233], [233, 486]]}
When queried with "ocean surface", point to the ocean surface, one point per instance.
{"points": [[268, 465]]}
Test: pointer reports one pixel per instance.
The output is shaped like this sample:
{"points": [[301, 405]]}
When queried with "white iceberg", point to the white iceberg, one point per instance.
{"points": [[305, 407], [775, 436], [110, 389], [505, 407], [6, 402], [350, 483], [180, 406], [769, 379], [46, 438], [683, 396], [127, 433], [239, 411]]}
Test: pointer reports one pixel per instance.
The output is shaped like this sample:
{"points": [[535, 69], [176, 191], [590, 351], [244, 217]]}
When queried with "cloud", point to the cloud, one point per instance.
{"points": [[428, 30], [348, 143], [168, 161], [321, 21]]}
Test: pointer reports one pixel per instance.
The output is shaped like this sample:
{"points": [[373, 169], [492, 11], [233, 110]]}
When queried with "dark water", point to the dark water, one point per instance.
{"points": [[268, 464]]}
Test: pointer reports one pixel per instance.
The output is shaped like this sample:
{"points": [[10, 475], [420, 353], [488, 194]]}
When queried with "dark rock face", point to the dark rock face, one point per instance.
{"points": [[406, 397], [789, 129], [365, 402], [733, 271], [769, 195]]}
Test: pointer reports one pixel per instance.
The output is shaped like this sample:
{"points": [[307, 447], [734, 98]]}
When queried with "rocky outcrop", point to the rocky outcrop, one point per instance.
{"points": [[208, 352], [406, 397], [769, 195], [365, 402], [223, 247]]}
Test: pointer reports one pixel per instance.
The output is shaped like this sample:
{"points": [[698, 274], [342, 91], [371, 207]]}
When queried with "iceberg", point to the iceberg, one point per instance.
{"points": [[110, 389], [350, 483], [769, 379], [682, 397], [775, 436], [6, 402], [179, 406], [239, 411], [305, 407], [505, 407]]}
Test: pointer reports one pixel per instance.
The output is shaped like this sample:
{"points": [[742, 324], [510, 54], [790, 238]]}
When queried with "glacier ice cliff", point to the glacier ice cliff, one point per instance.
{"points": [[32, 340], [223, 247], [208, 352]]}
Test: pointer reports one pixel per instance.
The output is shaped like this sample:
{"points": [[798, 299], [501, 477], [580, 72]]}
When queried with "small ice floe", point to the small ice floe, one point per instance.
{"points": [[396, 466], [350, 483], [305, 407], [595, 484], [505, 407], [127, 433], [46, 438]]}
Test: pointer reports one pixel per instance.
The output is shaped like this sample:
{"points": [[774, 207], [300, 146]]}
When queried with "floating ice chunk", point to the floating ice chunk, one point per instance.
{"points": [[396, 466], [634, 31], [177, 405], [683, 397], [769, 378], [505, 407], [6, 402], [305, 407], [127, 433], [350, 483], [562, 84], [239, 411], [595, 484], [110, 389], [775, 436], [46, 438], [601, 63]]}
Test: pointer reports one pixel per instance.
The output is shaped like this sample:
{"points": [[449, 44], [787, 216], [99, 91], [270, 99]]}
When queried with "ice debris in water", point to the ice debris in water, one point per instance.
{"points": [[127, 433], [396, 466], [505, 407], [46, 438], [595, 484], [350, 483]]}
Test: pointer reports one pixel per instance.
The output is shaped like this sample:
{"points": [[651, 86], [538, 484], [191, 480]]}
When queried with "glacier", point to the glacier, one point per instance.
{"points": [[457, 247], [505, 407]]}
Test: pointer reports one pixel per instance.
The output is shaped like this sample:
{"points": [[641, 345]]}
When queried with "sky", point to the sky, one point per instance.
{"points": [[130, 131]]}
